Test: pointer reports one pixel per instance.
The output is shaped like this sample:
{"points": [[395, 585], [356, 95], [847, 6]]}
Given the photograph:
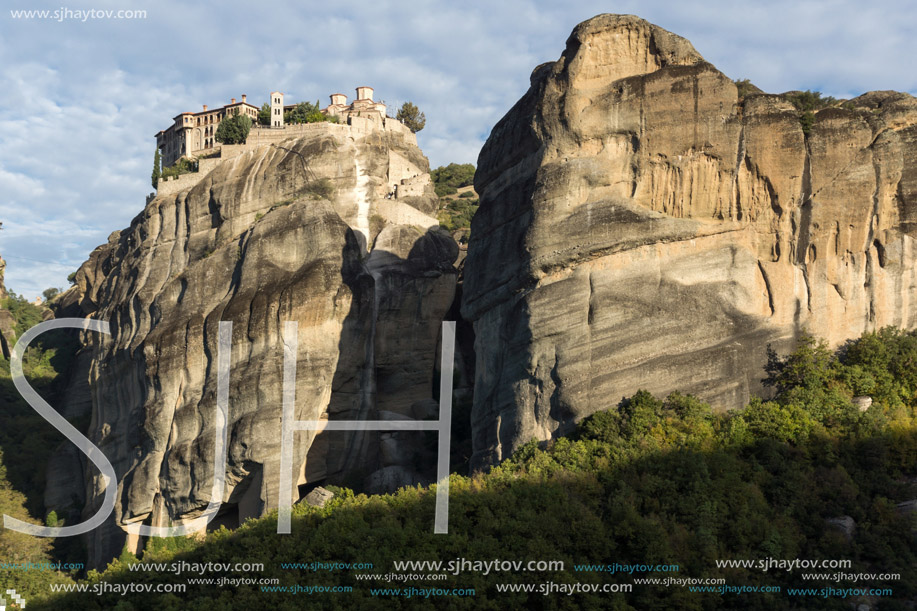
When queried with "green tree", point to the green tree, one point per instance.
{"points": [[298, 113], [448, 179], [807, 102], [316, 115], [305, 112], [50, 293], [234, 130], [411, 116], [808, 366], [264, 115], [157, 171]]}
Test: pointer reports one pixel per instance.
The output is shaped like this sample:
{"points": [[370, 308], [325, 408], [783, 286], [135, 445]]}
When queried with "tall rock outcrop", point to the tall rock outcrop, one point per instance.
{"points": [[305, 230], [3, 294], [6, 318], [641, 226]]}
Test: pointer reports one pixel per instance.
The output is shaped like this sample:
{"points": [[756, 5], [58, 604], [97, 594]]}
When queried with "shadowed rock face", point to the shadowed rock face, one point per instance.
{"points": [[642, 227], [257, 243]]}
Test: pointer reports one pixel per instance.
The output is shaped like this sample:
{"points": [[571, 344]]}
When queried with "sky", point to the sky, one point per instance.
{"points": [[81, 98]]}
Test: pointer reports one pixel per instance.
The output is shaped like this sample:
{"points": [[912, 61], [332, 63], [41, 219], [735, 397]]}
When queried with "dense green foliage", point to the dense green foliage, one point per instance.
{"points": [[20, 548], [157, 169], [457, 214], [448, 179], [809, 100], [25, 314], [234, 130], [411, 116], [807, 103], [182, 166], [26, 441], [264, 115], [655, 481], [306, 112]]}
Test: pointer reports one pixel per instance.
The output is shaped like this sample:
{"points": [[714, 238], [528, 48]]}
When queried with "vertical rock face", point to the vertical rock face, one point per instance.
{"points": [[3, 294], [642, 227], [6, 318], [304, 231]]}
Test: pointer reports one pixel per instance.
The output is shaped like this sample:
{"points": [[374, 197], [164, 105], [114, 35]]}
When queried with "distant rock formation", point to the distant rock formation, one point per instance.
{"points": [[641, 226], [6, 318], [305, 230], [3, 293]]}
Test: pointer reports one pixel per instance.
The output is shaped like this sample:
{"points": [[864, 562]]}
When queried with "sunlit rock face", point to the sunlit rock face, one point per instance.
{"points": [[310, 231], [641, 226]]}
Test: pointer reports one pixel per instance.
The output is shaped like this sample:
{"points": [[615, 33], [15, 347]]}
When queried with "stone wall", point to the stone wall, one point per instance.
{"points": [[168, 186], [415, 186], [399, 213], [399, 166]]}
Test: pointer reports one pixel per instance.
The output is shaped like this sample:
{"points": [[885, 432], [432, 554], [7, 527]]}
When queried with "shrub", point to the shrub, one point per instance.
{"points": [[745, 87], [182, 166], [321, 188], [444, 190], [809, 100], [376, 225], [457, 214]]}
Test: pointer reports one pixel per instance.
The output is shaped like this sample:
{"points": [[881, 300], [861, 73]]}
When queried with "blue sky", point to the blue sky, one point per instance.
{"points": [[81, 100]]}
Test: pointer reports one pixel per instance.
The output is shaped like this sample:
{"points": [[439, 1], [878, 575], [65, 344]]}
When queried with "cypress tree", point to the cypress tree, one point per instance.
{"points": [[157, 159]]}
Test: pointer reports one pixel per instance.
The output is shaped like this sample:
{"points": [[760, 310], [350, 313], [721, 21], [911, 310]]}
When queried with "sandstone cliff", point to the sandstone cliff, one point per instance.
{"points": [[642, 227], [307, 231]]}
